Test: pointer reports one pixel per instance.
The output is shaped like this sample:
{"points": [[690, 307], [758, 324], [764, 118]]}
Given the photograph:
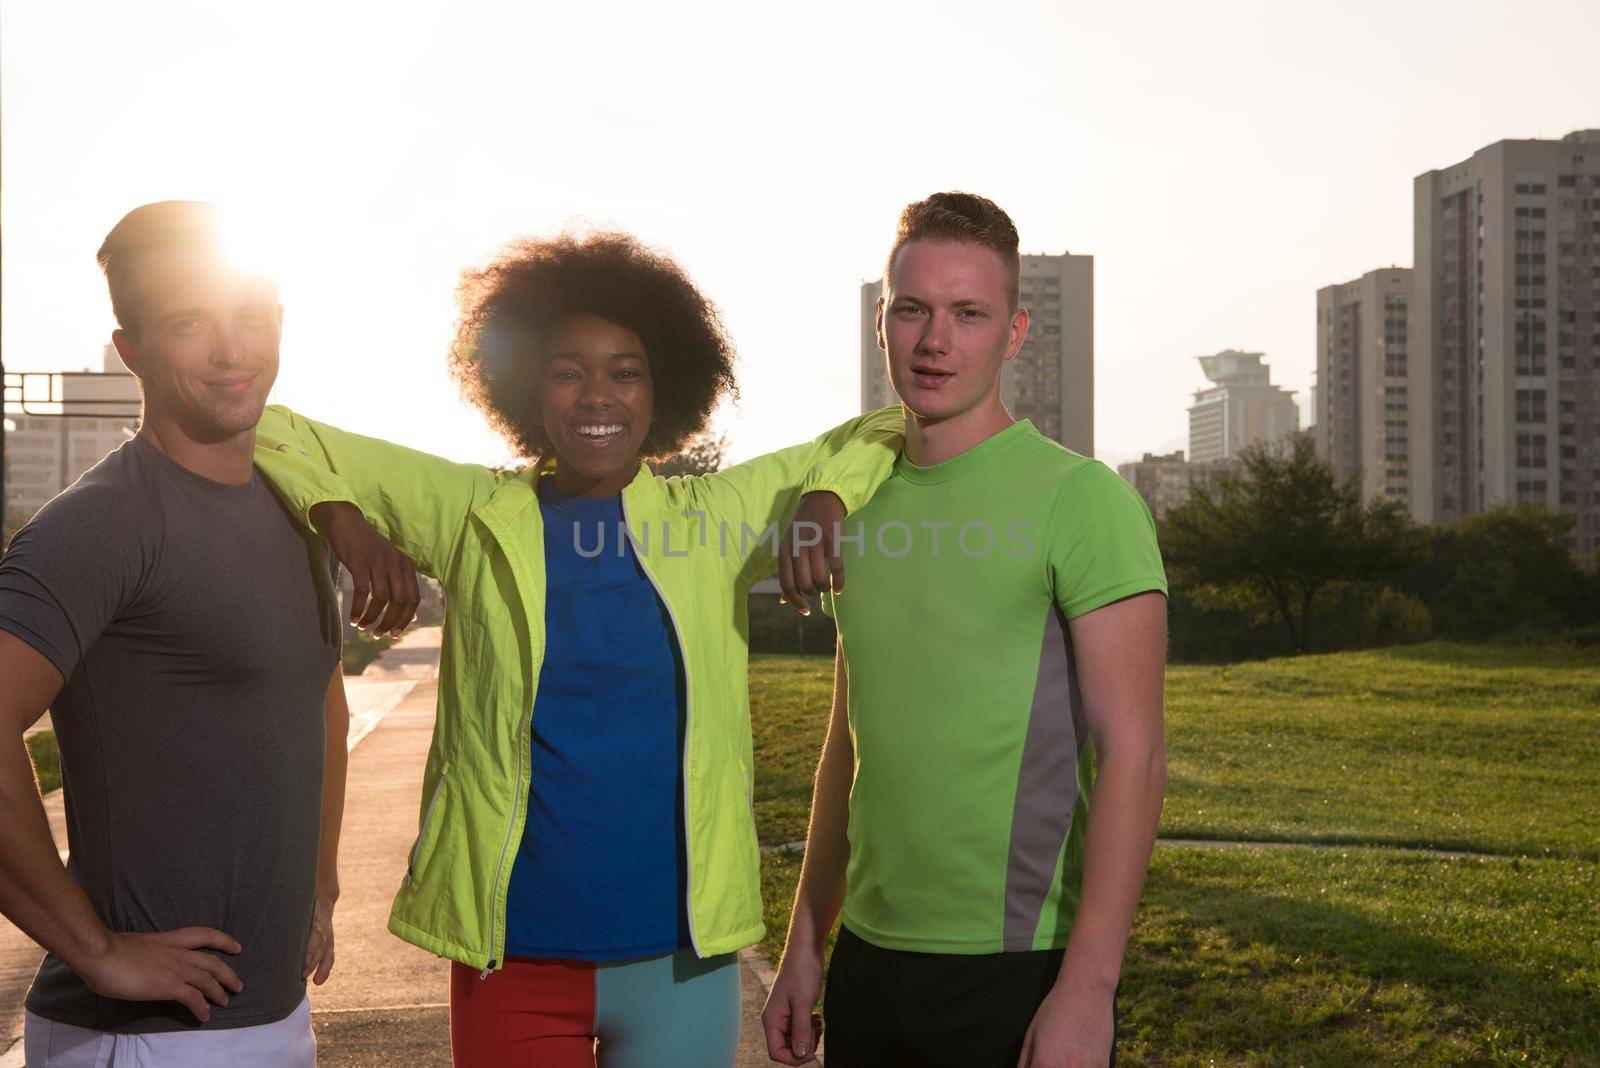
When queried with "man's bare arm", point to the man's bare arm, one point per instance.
{"points": [[791, 1038], [49, 906], [335, 763], [1121, 653]]}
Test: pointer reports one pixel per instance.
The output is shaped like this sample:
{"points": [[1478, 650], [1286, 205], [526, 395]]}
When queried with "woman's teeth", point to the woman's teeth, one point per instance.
{"points": [[597, 433]]}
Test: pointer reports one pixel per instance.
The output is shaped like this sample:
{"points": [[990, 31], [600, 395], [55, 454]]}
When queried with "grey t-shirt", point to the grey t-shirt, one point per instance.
{"points": [[196, 630]]}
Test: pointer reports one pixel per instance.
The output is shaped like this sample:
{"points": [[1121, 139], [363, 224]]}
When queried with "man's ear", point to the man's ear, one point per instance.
{"points": [[127, 350], [1019, 332], [878, 322]]}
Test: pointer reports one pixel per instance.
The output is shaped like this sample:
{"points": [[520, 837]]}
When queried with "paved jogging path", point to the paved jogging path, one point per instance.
{"points": [[385, 1003]]}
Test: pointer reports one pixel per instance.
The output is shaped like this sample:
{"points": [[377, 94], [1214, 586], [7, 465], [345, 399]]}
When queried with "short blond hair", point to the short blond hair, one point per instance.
{"points": [[962, 217]]}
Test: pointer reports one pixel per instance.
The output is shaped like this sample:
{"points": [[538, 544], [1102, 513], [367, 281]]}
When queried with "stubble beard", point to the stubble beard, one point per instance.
{"points": [[217, 422]]}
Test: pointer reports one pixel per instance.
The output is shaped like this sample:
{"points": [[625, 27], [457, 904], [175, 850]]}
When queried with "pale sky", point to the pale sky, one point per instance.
{"points": [[1220, 161]]}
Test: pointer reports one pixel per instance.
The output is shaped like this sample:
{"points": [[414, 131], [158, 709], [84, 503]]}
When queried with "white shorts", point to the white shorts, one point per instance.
{"points": [[288, 1043]]}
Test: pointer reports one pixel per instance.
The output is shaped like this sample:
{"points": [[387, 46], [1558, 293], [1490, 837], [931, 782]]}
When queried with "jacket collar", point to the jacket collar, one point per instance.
{"points": [[520, 491]]}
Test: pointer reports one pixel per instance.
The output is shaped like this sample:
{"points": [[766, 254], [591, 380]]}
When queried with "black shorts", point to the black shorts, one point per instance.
{"points": [[888, 1008]]}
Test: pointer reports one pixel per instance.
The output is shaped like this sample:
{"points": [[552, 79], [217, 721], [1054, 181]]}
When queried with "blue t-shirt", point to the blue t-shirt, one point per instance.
{"points": [[600, 871]]}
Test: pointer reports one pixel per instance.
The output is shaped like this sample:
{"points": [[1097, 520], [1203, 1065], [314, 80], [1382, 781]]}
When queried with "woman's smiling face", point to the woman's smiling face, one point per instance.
{"points": [[597, 401]]}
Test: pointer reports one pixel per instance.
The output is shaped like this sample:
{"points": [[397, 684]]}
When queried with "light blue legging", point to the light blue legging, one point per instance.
{"points": [[676, 1009]]}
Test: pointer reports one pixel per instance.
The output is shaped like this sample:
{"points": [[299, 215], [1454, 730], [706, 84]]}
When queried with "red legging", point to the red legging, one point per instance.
{"points": [[676, 1009]]}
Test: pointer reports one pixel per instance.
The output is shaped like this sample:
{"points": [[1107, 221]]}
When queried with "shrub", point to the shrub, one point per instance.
{"points": [[778, 628]]}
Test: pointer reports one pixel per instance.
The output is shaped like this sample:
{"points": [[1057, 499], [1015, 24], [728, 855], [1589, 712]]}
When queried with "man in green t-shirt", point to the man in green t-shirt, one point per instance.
{"points": [[1001, 651]]}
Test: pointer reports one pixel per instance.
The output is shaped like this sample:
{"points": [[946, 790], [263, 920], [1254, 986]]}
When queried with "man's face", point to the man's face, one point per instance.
{"points": [[946, 323], [205, 346]]}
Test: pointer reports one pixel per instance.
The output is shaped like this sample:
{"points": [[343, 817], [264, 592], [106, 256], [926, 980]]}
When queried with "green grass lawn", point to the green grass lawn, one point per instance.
{"points": [[1334, 956], [46, 760], [1362, 956], [789, 701], [1444, 746]]}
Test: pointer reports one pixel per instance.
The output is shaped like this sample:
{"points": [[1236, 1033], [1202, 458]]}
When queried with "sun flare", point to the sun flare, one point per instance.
{"points": [[252, 238]]}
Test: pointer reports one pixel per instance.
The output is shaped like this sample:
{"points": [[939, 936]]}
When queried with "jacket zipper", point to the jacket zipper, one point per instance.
{"points": [[427, 818], [524, 741], [688, 723], [505, 847]]}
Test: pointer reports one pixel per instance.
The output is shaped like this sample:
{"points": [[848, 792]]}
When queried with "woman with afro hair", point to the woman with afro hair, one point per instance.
{"points": [[586, 850]]}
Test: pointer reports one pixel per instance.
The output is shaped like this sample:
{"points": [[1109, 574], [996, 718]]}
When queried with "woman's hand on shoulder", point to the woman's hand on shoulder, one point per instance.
{"points": [[384, 579], [809, 561]]}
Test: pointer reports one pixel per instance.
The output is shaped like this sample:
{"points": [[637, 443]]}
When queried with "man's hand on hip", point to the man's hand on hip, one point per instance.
{"points": [[165, 966]]}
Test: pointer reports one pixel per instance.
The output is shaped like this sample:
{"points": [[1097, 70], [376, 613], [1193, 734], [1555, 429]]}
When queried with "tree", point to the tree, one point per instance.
{"points": [[701, 456], [1509, 568], [1277, 531]]}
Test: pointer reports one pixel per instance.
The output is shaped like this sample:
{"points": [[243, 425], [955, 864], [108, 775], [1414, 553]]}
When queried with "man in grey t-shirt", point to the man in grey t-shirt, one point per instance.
{"points": [[185, 636]]}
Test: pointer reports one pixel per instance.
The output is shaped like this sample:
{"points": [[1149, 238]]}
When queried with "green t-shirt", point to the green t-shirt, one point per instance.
{"points": [[973, 761]]}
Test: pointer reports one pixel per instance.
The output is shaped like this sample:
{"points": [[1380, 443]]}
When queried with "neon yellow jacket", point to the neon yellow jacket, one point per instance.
{"points": [[702, 540]]}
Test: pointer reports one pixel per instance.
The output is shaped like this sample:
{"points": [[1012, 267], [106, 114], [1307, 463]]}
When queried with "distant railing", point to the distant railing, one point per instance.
{"points": [[45, 393]]}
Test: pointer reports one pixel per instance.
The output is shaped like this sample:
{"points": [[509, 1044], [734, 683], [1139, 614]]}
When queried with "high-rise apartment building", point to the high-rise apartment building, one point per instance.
{"points": [[1240, 408], [1505, 333], [1051, 381], [1361, 404]]}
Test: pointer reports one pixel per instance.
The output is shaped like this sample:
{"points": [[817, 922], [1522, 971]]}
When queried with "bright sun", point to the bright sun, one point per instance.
{"points": [[252, 238]]}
